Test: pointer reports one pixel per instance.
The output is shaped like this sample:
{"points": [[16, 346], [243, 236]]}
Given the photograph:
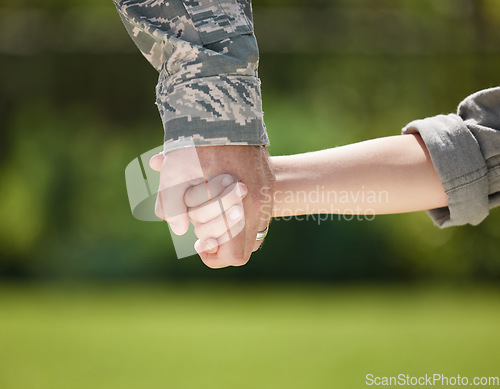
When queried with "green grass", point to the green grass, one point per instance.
{"points": [[233, 336]]}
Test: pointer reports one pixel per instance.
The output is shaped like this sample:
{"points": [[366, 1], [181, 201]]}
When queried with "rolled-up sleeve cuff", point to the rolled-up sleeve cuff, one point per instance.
{"points": [[219, 110], [457, 158]]}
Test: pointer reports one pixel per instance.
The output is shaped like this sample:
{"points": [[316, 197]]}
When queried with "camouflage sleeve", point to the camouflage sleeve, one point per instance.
{"points": [[208, 91]]}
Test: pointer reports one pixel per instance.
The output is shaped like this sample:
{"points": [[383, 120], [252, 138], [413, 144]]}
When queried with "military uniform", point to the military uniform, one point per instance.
{"points": [[208, 91]]}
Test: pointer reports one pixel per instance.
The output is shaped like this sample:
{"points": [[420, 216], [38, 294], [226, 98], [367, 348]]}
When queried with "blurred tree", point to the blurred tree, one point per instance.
{"points": [[77, 104]]}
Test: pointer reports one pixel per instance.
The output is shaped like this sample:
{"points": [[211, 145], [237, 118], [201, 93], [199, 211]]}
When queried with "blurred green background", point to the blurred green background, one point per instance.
{"points": [[90, 297]]}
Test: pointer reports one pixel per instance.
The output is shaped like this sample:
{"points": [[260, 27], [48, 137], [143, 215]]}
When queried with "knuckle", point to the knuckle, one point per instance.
{"points": [[236, 190], [215, 188], [200, 231], [193, 215], [197, 215], [229, 201]]}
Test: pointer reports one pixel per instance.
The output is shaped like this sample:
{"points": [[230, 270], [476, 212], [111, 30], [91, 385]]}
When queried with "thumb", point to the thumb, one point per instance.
{"points": [[156, 161], [170, 207]]}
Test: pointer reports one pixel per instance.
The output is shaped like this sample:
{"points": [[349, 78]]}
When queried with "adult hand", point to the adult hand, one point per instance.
{"points": [[183, 168]]}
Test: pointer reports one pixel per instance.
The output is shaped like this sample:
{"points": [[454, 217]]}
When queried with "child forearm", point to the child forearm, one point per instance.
{"points": [[379, 176]]}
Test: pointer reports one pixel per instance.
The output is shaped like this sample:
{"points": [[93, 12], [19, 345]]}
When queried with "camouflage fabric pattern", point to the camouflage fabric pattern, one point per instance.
{"points": [[207, 56]]}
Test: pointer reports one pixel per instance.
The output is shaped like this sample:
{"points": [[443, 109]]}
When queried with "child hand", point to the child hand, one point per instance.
{"points": [[216, 210]]}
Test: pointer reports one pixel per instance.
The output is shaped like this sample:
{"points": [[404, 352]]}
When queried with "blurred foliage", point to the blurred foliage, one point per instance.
{"points": [[76, 105]]}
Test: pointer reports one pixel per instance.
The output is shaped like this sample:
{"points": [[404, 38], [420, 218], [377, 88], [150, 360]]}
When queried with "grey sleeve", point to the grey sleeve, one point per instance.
{"points": [[465, 151], [205, 51]]}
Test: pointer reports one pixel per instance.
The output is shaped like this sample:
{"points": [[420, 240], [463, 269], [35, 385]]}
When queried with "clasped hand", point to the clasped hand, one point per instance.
{"points": [[223, 191]]}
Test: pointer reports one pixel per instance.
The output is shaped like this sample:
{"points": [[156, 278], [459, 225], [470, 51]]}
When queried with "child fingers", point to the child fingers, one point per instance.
{"points": [[231, 233], [198, 246], [201, 193], [210, 246], [231, 221], [232, 196]]}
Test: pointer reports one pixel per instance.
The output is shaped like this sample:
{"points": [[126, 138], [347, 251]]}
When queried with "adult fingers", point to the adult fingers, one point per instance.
{"points": [[200, 194], [223, 223]]}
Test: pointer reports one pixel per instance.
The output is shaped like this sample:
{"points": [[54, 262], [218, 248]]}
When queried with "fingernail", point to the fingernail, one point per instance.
{"points": [[176, 230], [209, 246], [198, 246], [226, 181], [241, 189], [235, 214]]}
